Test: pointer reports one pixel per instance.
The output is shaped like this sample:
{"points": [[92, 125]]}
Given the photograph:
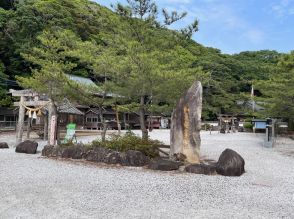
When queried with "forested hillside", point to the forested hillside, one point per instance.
{"points": [[83, 38]]}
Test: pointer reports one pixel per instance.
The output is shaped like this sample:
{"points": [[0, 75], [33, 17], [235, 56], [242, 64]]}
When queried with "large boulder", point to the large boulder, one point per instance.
{"points": [[186, 125], [230, 163], [134, 158], [28, 147], [74, 152], [201, 169], [164, 165], [3, 145]]}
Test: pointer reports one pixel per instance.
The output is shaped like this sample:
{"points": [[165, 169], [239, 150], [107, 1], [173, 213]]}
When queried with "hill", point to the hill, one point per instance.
{"points": [[227, 77]]}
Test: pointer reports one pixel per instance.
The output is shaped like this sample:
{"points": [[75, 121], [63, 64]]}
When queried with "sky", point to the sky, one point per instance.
{"points": [[236, 25]]}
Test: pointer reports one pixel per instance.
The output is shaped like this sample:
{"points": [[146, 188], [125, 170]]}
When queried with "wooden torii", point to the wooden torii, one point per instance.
{"points": [[29, 98]]}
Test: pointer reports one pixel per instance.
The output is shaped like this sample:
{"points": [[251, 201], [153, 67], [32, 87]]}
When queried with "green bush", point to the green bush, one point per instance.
{"points": [[248, 125], [248, 120], [130, 142]]}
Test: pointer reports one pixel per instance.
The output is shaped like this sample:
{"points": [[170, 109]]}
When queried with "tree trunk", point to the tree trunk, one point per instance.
{"points": [[117, 121], [20, 123], [104, 130], [142, 119], [125, 122]]}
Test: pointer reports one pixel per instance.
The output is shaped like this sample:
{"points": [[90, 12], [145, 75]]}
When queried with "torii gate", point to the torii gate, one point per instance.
{"points": [[25, 95]]}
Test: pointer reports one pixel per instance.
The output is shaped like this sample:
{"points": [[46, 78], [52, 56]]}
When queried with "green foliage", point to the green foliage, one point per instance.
{"points": [[279, 90], [42, 40], [248, 125], [130, 142], [248, 120]]}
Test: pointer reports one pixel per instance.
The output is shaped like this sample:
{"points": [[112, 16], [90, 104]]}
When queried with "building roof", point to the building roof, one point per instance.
{"points": [[68, 108], [82, 80], [105, 111], [258, 120]]}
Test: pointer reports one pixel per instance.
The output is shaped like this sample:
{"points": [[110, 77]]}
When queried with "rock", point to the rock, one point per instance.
{"points": [[57, 151], [134, 158], [230, 163], [28, 147], [74, 152], [164, 165], [97, 155], [179, 157], [201, 169], [47, 150], [113, 158], [3, 145], [186, 124]]}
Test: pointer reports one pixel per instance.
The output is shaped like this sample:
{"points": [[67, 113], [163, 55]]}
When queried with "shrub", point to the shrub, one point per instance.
{"points": [[248, 120], [248, 125], [130, 142]]}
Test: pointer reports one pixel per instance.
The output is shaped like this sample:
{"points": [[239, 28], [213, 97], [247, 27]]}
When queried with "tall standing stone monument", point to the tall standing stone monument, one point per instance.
{"points": [[186, 125]]}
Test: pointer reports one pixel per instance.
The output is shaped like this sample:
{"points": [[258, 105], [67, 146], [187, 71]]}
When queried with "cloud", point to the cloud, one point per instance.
{"points": [[283, 8]]}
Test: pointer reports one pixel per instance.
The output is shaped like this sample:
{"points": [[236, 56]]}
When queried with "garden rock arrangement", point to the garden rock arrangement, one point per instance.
{"points": [[98, 155], [3, 145], [230, 162], [27, 147]]}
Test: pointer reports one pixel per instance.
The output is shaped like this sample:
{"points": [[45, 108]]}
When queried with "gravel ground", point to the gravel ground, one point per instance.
{"points": [[36, 187]]}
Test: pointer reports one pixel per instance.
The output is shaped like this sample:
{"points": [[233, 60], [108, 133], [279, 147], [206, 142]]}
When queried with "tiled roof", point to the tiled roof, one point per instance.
{"points": [[68, 108]]}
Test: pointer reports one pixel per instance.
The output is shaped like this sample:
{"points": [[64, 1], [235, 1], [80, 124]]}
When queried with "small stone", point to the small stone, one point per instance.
{"points": [[164, 165], [201, 169], [3, 145], [179, 157], [27, 147], [230, 163]]}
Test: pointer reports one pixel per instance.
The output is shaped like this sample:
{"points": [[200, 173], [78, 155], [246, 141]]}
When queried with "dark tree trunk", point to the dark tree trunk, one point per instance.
{"points": [[104, 125], [142, 119]]}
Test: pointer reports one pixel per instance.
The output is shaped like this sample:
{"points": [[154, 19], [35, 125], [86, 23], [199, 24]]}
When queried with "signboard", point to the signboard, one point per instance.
{"points": [[52, 133]]}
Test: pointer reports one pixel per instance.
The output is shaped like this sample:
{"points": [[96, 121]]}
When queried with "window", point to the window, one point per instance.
{"points": [[1, 118], [92, 119], [10, 118]]}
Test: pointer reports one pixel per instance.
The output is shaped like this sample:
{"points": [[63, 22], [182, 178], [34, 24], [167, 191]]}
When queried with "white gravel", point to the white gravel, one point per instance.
{"points": [[36, 187]]}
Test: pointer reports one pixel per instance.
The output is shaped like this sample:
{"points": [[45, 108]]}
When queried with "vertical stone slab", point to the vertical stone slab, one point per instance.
{"points": [[20, 124], [186, 125]]}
